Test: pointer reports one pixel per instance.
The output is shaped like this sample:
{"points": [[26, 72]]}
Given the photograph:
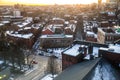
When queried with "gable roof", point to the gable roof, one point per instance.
{"points": [[47, 31]]}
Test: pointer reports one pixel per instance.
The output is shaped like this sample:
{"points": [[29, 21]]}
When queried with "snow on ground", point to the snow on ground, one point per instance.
{"points": [[1, 62], [87, 57], [96, 51], [104, 71], [51, 51], [115, 47], [97, 75], [48, 77], [56, 51]]}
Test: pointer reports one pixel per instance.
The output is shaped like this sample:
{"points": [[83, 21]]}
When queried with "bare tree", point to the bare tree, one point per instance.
{"points": [[52, 66]]}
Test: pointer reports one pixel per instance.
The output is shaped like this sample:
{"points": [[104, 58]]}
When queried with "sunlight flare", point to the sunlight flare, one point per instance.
{"points": [[51, 1]]}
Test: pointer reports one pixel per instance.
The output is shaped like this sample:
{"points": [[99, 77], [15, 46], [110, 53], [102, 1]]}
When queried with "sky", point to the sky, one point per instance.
{"points": [[48, 1]]}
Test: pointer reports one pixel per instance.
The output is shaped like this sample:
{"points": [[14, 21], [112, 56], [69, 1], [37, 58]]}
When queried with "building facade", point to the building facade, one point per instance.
{"points": [[73, 55], [53, 41], [107, 35]]}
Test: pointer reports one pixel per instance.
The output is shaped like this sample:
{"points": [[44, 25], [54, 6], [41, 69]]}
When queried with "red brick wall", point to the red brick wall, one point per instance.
{"points": [[68, 60], [91, 39]]}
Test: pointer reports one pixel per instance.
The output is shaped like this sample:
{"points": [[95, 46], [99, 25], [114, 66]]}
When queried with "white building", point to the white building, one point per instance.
{"points": [[16, 13]]}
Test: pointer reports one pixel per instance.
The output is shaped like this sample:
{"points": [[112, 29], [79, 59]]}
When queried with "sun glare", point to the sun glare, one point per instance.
{"points": [[51, 1]]}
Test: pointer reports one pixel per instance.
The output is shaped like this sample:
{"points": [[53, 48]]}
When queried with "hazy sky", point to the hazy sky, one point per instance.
{"points": [[48, 1]]}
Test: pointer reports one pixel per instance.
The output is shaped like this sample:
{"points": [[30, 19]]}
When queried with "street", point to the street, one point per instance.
{"points": [[37, 71]]}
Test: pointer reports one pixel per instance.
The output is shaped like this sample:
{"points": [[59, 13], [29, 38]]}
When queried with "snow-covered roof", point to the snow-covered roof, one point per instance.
{"points": [[36, 26], [57, 25], [72, 27], [29, 19], [27, 28], [26, 36], [48, 77], [113, 48], [73, 51], [16, 16], [57, 36], [58, 19], [111, 13], [66, 22], [23, 24], [49, 27], [90, 33], [4, 22], [104, 22], [1, 24]]}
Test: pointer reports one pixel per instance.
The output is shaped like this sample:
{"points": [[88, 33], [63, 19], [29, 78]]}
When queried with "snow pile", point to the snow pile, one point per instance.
{"points": [[57, 51], [48, 77], [87, 57], [96, 51], [1, 62]]}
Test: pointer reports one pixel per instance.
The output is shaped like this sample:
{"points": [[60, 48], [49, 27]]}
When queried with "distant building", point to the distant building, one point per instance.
{"points": [[16, 13], [25, 35], [58, 33], [111, 1], [107, 35], [57, 40], [53, 29], [104, 24], [57, 21], [20, 24], [59, 29], [109, 15], [16, 18], [21, 39], [47, 31], [1, 25], [91, 36], [99, 4], [5, 18]]}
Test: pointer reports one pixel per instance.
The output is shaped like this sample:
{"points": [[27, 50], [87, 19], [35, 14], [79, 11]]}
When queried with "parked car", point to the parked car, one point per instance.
{"points": [[34, 62]]}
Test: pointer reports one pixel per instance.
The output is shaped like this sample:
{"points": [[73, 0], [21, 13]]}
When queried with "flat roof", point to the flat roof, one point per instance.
{"points": [[113, 48], [56, 36], [74, 50], [23, 24], [26, 36]]}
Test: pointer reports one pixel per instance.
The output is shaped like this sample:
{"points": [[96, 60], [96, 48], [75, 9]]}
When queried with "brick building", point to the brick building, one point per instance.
{"points": [[73, 55], [107, 35], [91, 36], [112, 54], [21, 39], [57, 40], [57, 34]]}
